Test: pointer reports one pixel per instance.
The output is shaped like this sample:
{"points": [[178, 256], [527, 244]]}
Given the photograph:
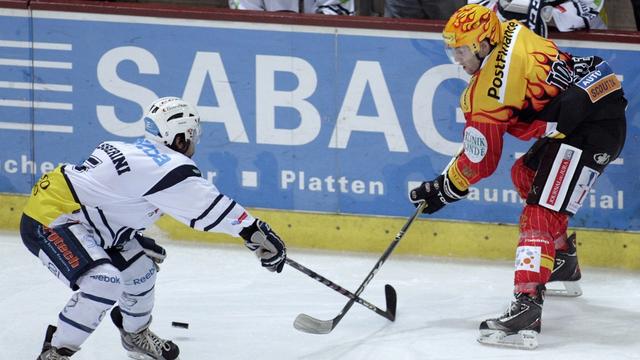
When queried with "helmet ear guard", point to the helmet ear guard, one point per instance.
{"points": [[167, 117]]}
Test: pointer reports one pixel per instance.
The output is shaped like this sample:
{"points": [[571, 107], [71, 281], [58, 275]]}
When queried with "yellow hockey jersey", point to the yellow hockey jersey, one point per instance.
{"points": [[515, 81]]}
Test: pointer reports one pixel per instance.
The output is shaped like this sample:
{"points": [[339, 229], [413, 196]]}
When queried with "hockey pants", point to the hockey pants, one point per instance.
{"points": [[100, 278]]}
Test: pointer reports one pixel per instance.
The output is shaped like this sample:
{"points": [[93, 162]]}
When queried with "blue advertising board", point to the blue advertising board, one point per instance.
{"points": [[299, 118]]}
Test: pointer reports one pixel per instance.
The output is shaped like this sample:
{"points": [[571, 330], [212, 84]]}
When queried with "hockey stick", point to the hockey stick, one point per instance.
{"points": [[389, 291], [312, 325]]}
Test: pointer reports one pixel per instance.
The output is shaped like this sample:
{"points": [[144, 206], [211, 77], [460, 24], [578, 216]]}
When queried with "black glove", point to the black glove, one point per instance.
{"points": [[266, 244], [436, 193], [151, 249]]}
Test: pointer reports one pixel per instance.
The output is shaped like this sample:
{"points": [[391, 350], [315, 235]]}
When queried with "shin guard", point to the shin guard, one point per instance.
{"points": [[539, 227]]}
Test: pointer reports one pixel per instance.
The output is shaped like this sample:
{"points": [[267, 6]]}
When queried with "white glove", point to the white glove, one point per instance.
{"points": [[151, 249], [266, 244]]}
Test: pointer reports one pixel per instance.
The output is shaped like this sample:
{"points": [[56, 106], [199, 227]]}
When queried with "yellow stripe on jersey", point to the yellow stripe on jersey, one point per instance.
{"points": [[50, 198]]}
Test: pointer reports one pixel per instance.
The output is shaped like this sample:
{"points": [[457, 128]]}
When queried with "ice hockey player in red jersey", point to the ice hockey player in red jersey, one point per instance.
{"points": [[85, 223], [523, 85]]}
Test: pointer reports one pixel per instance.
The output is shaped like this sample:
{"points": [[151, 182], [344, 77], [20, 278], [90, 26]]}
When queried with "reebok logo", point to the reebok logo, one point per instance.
{"points": [[141, 280], [107, 279]]}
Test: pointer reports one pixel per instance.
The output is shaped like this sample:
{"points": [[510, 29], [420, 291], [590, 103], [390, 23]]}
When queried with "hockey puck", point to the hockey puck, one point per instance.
{"points": [[180, 324]]}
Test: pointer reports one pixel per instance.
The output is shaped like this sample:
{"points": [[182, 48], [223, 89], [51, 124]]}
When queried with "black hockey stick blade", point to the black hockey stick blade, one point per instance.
{"points": [[392, 301]]}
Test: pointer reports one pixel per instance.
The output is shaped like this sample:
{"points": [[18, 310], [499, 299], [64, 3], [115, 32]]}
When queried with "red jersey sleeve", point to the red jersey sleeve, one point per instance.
{"points": [[483, 143]]}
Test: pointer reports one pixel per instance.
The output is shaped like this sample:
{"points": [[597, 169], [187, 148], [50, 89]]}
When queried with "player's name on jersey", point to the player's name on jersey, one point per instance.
{"points": [[290, 179]]}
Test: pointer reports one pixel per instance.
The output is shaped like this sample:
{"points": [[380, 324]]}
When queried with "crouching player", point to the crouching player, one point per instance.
{"points": [[84, 222]]}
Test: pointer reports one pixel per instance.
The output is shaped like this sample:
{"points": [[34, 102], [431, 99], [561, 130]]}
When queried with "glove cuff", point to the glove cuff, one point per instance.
{"points": [[450, 191], [246, 232]]}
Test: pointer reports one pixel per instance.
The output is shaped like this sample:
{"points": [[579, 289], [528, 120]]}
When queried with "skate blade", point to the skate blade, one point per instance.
{"points": [[138, 356], [523, 340], [564, 288]]}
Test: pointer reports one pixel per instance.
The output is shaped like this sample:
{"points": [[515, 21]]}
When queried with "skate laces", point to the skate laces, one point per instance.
{"points": [[513, 308], [150, 342], [516, 305]]}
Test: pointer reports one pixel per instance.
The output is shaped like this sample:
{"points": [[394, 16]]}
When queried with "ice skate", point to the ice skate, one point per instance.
{"points": [[518, 327], [56, 354], [51, 353], [145, 344], [566, 272]]}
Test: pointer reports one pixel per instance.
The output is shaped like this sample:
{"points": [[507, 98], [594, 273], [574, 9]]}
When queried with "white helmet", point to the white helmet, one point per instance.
{"points": [[169, 116]]}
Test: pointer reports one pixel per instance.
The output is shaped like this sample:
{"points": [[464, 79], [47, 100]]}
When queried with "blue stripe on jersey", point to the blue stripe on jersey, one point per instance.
{"points": [[123, 235], [206, 212], [106, 223], [86, 215], [222, 216], [174, 177]]}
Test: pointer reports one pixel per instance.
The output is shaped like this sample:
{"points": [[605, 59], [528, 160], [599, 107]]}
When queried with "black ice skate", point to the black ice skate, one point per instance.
{"points": [[144, 345], [51, 353], [566, 271], [518, 327]]}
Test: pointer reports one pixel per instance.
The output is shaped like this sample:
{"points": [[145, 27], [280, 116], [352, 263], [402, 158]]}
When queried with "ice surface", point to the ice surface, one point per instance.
{"points": [[237, 310]]}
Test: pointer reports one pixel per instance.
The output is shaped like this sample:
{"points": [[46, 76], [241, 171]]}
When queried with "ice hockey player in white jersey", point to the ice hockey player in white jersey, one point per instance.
{"points": [[85, 223]]}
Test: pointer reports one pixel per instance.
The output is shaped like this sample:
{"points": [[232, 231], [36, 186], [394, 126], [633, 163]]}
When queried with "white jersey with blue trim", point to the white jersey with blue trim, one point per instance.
{"points": [[125, 187]]}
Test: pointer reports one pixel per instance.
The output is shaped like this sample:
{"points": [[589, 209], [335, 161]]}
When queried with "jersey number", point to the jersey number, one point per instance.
{"points": [[43, 184], [560, 75]]}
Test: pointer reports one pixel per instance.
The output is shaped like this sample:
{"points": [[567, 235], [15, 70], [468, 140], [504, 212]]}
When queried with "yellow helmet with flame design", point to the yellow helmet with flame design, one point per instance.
{"points": [[469, 26]]}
